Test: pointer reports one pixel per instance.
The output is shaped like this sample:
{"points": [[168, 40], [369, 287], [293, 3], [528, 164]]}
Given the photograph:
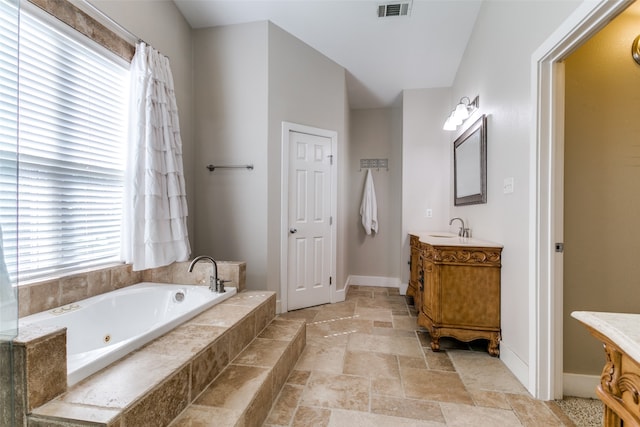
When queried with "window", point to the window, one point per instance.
{"points": [[8, 144], [72, 102]]}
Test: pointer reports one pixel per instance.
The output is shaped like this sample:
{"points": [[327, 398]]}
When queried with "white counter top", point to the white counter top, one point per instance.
{"points": [[623, 329], [439, 238]]}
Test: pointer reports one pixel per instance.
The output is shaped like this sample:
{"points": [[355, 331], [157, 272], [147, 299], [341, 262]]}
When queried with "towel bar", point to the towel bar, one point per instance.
{"points": [[212, 167]]}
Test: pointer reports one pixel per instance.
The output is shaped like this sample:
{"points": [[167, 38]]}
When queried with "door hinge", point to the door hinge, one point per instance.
{"points": [[330, 280], [330, 156], [559, 247], [330, 220]]}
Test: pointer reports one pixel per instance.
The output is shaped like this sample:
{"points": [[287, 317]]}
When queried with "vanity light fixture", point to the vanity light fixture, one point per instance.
{"points": [[451, 123], [462, 112], [635, 49]]}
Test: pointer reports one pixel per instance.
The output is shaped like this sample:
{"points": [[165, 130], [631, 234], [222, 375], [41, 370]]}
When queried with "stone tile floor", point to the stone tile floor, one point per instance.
{"points": [[367, 363]]}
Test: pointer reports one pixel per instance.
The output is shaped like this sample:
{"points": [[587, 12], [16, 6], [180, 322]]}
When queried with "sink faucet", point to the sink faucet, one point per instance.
{"points": [[464, 232], [215, 284]]}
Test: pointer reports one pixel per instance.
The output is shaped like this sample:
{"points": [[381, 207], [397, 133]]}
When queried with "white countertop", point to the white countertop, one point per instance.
{"points": [[623, 329], [441, 238]]}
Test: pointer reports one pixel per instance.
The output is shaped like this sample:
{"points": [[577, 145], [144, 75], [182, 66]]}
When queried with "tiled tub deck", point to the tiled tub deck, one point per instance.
{"points": [[224, 368]]}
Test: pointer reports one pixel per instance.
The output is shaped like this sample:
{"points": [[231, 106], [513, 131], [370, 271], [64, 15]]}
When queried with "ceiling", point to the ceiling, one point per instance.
{"points": [[382, 56]]}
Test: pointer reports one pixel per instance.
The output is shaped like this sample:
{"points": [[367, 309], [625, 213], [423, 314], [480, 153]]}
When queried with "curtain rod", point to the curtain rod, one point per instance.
{"points": [[133, 39]]}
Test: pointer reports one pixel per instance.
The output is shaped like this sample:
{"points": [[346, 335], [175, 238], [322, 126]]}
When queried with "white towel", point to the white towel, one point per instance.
{"points": [[369, 206]]}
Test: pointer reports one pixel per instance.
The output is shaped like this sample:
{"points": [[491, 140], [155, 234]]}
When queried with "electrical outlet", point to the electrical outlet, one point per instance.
{"points": [[429, 213], [507, 186]]}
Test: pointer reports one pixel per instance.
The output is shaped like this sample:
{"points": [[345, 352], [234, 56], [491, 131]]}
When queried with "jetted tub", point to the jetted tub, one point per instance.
{"points": [[104, 328]]}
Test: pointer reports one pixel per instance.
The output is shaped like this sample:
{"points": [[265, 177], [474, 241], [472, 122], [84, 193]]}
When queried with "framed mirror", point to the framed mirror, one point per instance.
{"points": [[470, 165]]}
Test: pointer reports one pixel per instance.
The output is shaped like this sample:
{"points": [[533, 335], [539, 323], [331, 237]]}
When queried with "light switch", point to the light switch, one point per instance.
{"points": [[429, 213], [508, 186]]}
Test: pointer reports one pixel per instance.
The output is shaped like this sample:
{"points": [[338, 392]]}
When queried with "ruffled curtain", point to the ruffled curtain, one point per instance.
{"points": [[154, 231]]}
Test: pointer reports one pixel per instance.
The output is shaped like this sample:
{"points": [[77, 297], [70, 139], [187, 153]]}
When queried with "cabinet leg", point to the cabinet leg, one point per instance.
{"points": [[611, 419], [494, 345], [435, 341]]}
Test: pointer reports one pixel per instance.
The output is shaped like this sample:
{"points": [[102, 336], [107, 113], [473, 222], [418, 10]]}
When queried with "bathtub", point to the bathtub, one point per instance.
{"points": [[104, 328]]}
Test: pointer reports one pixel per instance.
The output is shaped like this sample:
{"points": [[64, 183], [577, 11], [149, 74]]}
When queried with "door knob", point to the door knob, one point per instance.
{"points": [[293, 230]]}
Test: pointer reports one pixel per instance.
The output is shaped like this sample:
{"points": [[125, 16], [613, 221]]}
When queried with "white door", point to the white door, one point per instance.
{"points": [[310, 222]]}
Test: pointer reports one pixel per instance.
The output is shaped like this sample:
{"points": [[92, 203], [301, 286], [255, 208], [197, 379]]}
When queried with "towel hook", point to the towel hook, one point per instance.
{"points": [[376, 164]]}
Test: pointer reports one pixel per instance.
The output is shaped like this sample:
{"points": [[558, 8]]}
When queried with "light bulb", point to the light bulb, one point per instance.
{"points": [[448, 124], [461, 112]]}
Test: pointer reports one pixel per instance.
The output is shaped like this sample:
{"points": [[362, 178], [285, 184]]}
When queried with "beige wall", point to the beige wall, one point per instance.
{"points": [[230, 104], [251, 78], [307, 88], [426, 154], [149, 20], [602, 174], [497, 66], [375, 134], [235, 85], [246, 221]]}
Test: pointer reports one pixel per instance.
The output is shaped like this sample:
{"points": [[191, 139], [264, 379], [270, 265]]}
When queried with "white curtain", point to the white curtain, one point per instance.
{"points": [[154, 231]]}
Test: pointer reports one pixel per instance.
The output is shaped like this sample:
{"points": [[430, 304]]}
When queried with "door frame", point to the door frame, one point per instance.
{"points": [[284, 207], [547, 192]]}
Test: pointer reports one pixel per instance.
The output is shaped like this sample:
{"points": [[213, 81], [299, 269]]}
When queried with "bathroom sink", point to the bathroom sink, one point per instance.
{"points": [[445, 238]]}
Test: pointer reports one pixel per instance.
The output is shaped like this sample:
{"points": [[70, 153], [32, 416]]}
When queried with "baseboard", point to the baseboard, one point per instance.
{"points": [[403, 288], [339, 295], [578, 385], [516, 365], [378, 281]]}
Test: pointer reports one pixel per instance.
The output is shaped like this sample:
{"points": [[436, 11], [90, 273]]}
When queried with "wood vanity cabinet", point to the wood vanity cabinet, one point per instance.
{"points": [[416, 275], [619, 387], [461, 293]]}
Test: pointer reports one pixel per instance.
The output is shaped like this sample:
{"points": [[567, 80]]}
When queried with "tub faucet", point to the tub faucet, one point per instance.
{"points": [[463, 232], [215, 284]]}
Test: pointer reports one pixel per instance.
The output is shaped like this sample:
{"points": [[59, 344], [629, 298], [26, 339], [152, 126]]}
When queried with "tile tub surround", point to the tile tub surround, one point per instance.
{"points": [[40, 368], [45, 295], [6, 382], [159, 381], [245, 391]]}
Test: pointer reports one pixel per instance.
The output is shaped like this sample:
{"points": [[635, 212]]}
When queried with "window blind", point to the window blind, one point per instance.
{"points": [[9, 131], [72, 117]]}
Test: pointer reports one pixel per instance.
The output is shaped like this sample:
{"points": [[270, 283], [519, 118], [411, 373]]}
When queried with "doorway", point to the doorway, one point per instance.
{"points": [[602, 86], [547, 162], [308, 236]]}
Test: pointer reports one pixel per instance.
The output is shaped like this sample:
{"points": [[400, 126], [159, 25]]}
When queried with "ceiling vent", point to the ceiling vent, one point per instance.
{"points": [[402, 8]]}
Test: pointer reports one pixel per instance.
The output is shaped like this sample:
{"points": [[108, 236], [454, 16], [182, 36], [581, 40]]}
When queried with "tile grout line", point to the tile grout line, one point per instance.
{"points": [[417, 337]]}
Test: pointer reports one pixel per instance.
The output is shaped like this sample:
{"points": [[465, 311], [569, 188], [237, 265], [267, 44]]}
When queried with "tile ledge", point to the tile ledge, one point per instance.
{"points": [[48, 410]]}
